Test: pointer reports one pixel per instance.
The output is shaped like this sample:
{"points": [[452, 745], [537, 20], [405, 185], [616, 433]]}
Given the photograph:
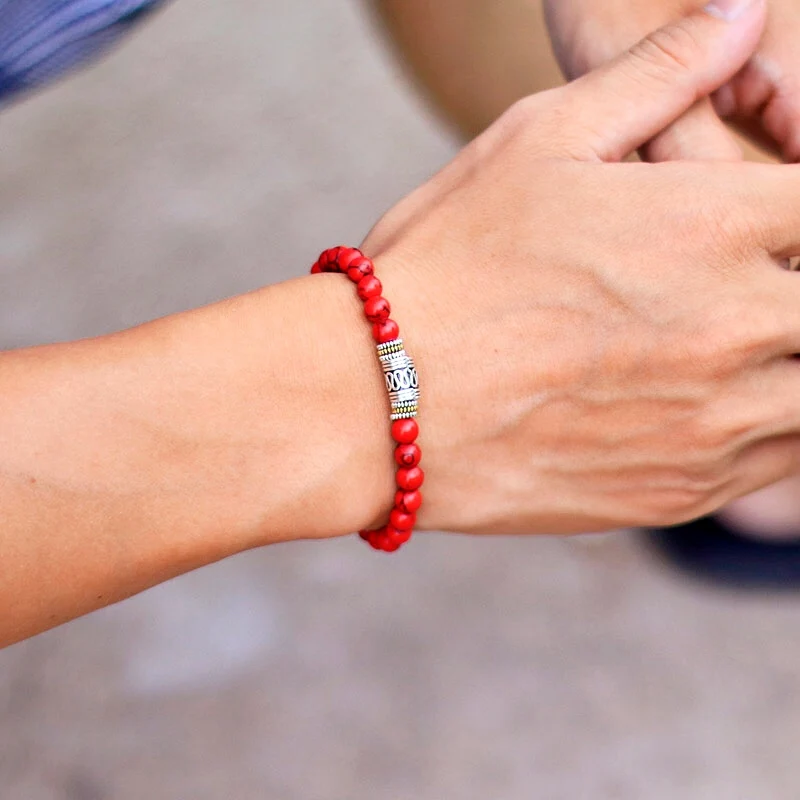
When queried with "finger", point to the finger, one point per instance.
{"points": [[786, 302], [762, 331], [699, 135], [766, 413], [763, 464], [761, 104], [624, 104], [767, 398], [780, 113], [766, 198]]}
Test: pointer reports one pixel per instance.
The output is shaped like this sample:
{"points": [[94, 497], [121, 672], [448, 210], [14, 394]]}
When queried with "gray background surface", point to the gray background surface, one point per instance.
{"points": [[220, 149]]}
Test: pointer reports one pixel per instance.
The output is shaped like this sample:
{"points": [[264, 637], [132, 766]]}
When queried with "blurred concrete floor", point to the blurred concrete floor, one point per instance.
{"points": [[459, 668]]}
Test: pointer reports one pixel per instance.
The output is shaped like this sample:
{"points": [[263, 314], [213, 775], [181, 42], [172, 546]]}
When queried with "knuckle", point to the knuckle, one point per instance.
{"points": [[707, 219], [713, 353], [544, 123], [684, 508], [522, 114], [668, 52], [672, 507], [689, 494], [706, 231], [761, 334], [710, 438], [692, 481], [738, 334], [733, 337]]}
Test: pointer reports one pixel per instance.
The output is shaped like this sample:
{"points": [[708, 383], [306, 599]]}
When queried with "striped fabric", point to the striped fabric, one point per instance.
{"points": [[40, 39]]}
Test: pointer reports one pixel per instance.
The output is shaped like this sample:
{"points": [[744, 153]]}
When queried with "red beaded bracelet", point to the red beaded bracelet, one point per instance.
{"points": [[403, 387]]}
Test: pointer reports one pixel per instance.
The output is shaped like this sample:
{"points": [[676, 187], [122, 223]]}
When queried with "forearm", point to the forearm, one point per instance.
{"points": [[128, 459]]}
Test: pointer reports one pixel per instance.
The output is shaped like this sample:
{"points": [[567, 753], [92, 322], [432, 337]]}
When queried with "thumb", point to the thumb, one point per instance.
{"points": [[699, 135], [624, 104]]}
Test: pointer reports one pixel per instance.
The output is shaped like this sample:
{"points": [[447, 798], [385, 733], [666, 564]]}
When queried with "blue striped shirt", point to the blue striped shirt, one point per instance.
{"points": [[40, 39]]}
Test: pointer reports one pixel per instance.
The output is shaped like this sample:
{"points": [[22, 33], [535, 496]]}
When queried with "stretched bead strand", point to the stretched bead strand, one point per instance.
{"points": [[402, 384]]}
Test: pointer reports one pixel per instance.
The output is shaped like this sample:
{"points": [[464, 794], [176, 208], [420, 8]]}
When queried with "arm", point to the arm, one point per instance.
{"points": [[472, 57], [128, 459], [577, 375]]}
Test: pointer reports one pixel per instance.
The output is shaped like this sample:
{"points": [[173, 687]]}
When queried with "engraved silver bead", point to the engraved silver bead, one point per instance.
{"points": [[401, 378]]}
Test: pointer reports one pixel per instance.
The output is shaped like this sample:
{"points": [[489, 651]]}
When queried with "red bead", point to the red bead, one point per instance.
{"points": [[397, 537], [404, 536], [385, 331], [377, 309], [407, 455], [371, 536], [347, 255], [408, 501], [369, 286], [316, 269], [404, 431], [401, 520], [410, 478], [327, 260], [359, 269], [381, 540]]}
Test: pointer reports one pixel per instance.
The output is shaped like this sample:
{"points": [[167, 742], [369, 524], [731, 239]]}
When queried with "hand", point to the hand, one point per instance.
{"points": [[601, 345], [762, 100]]}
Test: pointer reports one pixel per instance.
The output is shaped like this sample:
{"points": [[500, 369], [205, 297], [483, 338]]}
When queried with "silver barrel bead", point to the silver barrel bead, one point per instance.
{"points": [[401, 378]]}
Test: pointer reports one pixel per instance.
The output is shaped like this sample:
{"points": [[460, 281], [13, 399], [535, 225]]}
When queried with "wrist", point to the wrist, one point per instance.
{"points": [[352, 449], [409, 279], [308, 394], [271, 415], [401, 381]]}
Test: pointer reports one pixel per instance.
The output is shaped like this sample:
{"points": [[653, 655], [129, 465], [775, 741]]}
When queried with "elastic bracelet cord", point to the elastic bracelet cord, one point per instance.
{"points": [[403, 387]]}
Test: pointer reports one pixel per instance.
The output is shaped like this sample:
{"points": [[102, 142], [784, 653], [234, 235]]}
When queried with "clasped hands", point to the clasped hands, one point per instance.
{"points": [[607, 344], [762, 99]]}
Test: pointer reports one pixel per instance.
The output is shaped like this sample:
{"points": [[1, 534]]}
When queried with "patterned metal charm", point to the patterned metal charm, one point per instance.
{"points": [[402, 381]]}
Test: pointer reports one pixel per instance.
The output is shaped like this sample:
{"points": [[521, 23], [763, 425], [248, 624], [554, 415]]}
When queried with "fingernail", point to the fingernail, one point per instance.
{"points": [[728, 10]]}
